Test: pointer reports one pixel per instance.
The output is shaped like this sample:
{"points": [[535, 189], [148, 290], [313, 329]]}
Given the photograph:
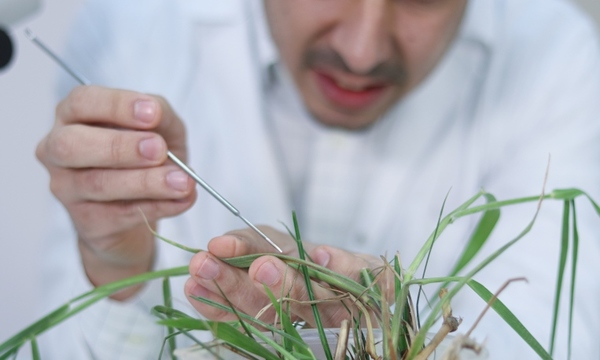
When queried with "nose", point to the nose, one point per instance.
{"points": [[362, 36]]}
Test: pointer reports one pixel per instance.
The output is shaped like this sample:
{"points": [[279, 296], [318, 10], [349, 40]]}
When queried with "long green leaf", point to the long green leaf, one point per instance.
{"points": [[436, 311], [297, 347], [168, 301], [233, 336], [80, 303], [510, 319], [574, 254], [480, 235], [263, 324], [35, 350], [448, 219], [564, 249], [309, 290]]}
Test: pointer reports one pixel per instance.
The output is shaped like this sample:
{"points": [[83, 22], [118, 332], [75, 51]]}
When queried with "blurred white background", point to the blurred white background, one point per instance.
{"points": [[26, 110]]}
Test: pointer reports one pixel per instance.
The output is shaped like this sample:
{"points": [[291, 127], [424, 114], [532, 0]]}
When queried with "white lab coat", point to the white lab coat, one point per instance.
{"points": [[521, 82]]}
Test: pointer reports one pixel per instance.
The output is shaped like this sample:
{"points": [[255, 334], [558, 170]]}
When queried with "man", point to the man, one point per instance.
{"points": [[359, 115]]}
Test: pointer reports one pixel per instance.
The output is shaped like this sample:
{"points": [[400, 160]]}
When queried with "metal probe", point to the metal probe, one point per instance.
{"points": [[175, 159]]}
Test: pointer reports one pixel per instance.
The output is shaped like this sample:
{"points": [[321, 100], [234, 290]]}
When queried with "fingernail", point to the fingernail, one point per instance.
{"points": [[209, 269], [151, 148], [178, 180], [144, 110], [321, 257], [267, 274]]}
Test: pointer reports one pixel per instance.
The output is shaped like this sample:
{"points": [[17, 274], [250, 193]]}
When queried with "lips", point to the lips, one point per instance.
{"points": [[349, 98]]}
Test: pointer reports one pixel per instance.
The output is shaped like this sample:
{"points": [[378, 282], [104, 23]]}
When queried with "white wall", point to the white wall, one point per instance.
{"points": [[26, 109], [26, 113]]}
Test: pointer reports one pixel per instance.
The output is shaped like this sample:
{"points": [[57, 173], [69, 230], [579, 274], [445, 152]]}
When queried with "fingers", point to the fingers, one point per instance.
{"points": [[284, 282], [117, 108], [98, 220], [248, 241], [91, 130], [107, 153], [104, 185], [95, 105], [351, 264], [208, 275], [79, 146], [245, 290]]}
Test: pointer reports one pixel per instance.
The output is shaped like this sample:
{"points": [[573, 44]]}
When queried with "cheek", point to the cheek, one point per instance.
{"points": [[296, 25], [423, 40]]}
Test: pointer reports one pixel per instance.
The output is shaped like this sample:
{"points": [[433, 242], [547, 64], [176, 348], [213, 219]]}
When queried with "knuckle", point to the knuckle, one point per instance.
{"points": [[94, 181], [151, 210], [145, 181], [40, 151], [115, 102], [219, 315], [56, 187], [60, 146], [337, 315], [297, 289], [74, 104], [116, 147], [128, 211]]}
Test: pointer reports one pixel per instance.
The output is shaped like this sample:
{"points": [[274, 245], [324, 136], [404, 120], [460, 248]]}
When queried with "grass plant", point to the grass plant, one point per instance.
{"points": [[403, 336]]}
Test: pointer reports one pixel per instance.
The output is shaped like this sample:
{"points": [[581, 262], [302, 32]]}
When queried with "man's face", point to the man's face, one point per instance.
{"points": [[353, 59]]}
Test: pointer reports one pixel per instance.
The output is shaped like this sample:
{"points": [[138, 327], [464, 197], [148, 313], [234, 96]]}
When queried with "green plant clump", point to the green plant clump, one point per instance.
{"points": [[402, 336]]}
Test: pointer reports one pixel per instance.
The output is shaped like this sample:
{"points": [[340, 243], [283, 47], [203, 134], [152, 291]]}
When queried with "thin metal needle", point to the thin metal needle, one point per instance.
{"points": [[218, 196], [31, 36], [175, 159]]}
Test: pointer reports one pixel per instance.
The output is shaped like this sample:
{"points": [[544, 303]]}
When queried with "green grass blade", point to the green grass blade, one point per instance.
{"points": [[12, 353], [234, 337], [225, 332], [170, 242], [168, 301], [315, 271], [234, 311], [309, 290], [435, 236], [299, 347], [281, 314], [566, 194], [510, 319], [412, 268], [574, 254], [169, 312], [436, 310], [263, 324], [14, 343], [80, 303], [484, 228], [271, 342], [35, 350], [400, 316], [186, 324], [564, 249]]}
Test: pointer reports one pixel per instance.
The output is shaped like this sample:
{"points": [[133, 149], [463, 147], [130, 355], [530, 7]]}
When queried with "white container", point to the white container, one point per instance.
{"points": [[311, 337]]}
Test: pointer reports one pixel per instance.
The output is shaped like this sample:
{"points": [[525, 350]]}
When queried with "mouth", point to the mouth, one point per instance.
{"points": [[348, 93]]}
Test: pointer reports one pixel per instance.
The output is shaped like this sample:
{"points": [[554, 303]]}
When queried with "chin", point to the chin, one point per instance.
{"points": [[353, 122]]}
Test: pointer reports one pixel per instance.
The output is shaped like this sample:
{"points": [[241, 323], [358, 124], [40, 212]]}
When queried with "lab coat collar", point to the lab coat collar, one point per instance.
{"points": [[480, 22], [267, 52]]}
